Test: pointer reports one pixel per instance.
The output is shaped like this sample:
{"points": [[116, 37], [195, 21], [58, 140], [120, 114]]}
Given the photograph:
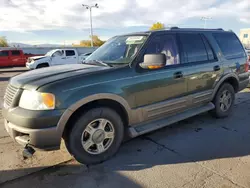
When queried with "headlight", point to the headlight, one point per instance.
{"points": [[33, 100]]}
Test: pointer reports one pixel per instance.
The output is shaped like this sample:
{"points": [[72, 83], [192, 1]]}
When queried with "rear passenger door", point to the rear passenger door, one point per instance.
{"points": [[71, 57], [16, 58], [203, 66]]}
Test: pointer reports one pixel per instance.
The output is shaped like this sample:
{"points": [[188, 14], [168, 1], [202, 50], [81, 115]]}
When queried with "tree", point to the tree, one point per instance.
{"points": [[3, 42], [87, 43], [157, 26]]}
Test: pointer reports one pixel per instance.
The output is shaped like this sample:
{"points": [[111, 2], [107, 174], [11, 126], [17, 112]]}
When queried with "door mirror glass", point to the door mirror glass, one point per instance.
{"points": [[154, 61]]}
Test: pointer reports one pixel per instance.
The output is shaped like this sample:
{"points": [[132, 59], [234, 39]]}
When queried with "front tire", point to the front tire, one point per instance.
{"points": [[224, 101], [96, 136]]}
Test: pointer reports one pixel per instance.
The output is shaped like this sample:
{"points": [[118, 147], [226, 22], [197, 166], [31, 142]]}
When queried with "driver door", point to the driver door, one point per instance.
{"points": [[161, 92], [58, 57]]}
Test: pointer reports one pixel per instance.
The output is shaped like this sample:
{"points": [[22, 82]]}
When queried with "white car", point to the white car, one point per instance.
{"points": [[55, 57], [84, 56]]}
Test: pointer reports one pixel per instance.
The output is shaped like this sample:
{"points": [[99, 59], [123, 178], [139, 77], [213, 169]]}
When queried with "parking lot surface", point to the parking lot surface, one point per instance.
{"points": [[197, 152]]}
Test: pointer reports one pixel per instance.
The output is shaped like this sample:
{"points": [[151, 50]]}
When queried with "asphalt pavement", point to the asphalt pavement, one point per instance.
{"points": [[197, 152]]}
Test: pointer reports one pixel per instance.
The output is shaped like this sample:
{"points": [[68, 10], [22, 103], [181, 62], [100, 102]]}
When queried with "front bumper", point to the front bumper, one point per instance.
{"points": [[35, 128], [30, 65], [44, 139]]}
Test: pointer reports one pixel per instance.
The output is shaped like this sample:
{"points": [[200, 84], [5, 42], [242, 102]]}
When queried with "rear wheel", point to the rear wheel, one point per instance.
{"points": [[42, 65], [95, 136], [224, 101]]}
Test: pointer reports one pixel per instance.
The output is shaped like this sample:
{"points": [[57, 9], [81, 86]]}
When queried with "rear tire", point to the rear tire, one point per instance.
{"points": [[95, 136], [42, 65], [223, 101]]}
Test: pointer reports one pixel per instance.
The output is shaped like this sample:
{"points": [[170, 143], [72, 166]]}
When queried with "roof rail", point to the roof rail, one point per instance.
{"points": [[173, 28]]}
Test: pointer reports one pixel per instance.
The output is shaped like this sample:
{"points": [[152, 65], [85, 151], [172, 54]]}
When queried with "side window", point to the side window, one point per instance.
{"points": [[4, 53], [193, 48], [230, 45], [15, 53], [210, 52], [57, 53], [70, 52], [165, 44]]}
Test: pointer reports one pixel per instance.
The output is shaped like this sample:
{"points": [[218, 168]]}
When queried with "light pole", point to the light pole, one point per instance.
{"points": [[205, 19], [90, 12]]}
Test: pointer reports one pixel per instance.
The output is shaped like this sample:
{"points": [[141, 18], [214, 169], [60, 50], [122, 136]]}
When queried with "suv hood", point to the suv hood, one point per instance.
{"points": [[34, 79]]}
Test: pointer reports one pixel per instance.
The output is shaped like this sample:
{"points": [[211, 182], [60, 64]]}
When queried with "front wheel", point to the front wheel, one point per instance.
{"points": [[224, 101], [95, 136]]}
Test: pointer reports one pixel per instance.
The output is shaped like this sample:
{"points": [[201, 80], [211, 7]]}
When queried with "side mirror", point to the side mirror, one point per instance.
{"points": [[154, 61]]}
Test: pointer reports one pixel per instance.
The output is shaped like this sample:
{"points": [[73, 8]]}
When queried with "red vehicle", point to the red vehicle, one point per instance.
{"points": [[13, 57]]}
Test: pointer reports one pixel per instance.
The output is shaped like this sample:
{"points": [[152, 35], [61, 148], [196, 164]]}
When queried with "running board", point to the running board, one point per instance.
{"points": [[157, 124]]}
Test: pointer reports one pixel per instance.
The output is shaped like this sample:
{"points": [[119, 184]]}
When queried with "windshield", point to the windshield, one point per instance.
{"points": [[118, 50], [49, 53]]}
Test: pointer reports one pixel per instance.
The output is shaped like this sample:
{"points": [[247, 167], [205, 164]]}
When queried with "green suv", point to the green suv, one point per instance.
{"points": [[131, 85]]}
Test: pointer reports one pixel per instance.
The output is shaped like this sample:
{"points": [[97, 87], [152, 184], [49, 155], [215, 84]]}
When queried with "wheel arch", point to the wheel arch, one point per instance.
{"points": [[104, 99], [229, 78], [44, 63]]}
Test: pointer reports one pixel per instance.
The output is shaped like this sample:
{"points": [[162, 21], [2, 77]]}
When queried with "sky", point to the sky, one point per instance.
{"points": [[67, 21]]}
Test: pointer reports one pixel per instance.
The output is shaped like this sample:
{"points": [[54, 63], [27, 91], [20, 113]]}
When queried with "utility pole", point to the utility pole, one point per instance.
{"points": [[205, 19], [90, 13]]}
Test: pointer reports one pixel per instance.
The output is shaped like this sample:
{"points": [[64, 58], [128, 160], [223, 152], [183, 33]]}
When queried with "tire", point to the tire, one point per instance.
{"points": [[80, 132], [221, 110], [42, 65]]}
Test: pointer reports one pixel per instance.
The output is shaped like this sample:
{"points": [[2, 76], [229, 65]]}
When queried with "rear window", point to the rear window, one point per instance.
{"points": [[70, 52], [4, 53], [230, 45], [193, 48], [15, 52], [210, 52]]}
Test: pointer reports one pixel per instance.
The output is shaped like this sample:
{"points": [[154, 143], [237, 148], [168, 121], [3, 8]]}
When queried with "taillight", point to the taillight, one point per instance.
{"points": [[247, 65]]}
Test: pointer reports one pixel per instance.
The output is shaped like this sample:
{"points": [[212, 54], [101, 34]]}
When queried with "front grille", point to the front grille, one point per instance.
{"points": [[10, 95]]}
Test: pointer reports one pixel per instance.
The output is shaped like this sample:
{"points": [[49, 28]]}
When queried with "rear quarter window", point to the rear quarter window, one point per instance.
{"points": [[230, 45]]}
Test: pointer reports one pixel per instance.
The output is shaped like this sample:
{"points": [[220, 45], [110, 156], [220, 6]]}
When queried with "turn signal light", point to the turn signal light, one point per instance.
{"points": [[155, 66]]}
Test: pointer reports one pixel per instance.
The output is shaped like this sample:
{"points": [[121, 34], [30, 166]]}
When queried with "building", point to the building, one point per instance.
{"points": [[245, 37]]}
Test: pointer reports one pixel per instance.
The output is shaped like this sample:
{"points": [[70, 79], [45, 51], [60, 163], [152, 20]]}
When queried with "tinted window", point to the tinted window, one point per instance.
{"points": [[230, 45], [193, 48], [165, 44], [4, 53], [245, 36], [210, 52], [15, 52], [70, 52]]}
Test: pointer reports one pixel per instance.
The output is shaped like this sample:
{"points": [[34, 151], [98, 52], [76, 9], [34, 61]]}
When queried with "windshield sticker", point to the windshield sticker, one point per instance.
{"points": [[135, 40]]}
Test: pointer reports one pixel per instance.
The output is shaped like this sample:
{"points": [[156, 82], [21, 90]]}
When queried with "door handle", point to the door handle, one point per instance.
{"points": [[178, 74], [63, 57], [216, 68]]}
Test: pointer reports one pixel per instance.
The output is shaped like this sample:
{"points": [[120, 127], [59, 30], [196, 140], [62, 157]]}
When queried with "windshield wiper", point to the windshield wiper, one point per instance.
{"points": [[97, 62]]}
